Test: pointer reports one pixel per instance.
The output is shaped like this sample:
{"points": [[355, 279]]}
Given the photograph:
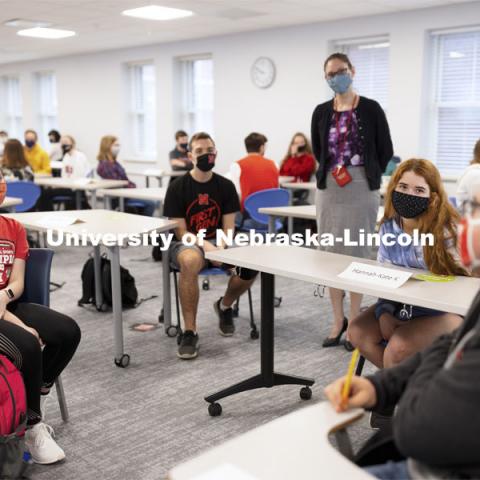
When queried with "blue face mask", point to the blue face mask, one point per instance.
{"points": [[340, 83]]}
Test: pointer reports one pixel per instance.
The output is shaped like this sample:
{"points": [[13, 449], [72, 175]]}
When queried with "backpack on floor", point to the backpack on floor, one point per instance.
{"points": [[13, 420], [127, 282]]}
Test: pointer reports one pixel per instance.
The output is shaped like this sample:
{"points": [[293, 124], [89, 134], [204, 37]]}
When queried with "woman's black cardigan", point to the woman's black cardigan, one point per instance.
{"points": [[374, 133]]}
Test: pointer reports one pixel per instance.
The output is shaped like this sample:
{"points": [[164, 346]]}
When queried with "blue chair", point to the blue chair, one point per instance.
{"points": [[273, 197], [37, 290], [29, 192]]}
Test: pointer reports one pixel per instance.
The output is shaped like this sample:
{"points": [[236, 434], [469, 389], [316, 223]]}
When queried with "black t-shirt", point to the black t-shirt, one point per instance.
{"points": [[202, 205], [176, 154]]}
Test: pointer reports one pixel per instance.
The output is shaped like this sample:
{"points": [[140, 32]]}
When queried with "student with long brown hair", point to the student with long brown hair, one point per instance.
{"points": [[298, 162], [388, 332], [14, 164], [109, 168]]}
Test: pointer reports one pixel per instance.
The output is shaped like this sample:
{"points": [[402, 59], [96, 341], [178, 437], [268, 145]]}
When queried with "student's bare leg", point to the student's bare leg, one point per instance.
{"points": [[364, 332], [336, 299], [236, 287], [190, 262], [417, 334]]}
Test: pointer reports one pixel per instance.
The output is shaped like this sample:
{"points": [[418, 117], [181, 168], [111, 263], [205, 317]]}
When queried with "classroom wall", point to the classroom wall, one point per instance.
{"points": [[92, 102]]}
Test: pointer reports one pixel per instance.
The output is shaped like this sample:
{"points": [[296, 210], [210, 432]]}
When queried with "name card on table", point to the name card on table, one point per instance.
{"points": [[58, 221], [375, 275]]}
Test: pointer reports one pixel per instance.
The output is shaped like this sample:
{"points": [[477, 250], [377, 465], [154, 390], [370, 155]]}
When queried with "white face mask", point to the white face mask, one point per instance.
{"points": [[115, 149]]}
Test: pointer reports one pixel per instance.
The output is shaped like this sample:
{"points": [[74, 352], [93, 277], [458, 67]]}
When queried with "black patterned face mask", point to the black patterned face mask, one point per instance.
{"points": [[409, 206]]}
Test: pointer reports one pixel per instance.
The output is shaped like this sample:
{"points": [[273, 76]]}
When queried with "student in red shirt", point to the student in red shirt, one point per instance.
{"points": [[299, 161], [39, 341]]}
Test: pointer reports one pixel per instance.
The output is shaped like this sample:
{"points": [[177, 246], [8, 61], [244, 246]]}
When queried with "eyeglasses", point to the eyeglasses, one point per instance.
{"points": [[330, 75]]}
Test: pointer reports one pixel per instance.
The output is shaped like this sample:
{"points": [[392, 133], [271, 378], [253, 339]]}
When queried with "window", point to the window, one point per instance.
{"points": [[46, 98], [11, 106], [141, 114], [196, 95], [371, 61], [455, 107]]}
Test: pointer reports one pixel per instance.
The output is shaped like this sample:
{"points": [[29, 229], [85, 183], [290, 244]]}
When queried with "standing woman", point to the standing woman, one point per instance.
{"points": [[351, 142]]}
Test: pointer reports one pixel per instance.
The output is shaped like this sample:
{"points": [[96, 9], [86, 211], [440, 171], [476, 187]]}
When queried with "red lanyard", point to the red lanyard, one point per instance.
{"points": [[342, 142]]}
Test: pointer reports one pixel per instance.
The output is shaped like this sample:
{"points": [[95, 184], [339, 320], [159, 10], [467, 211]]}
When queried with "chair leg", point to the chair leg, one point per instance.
{"points": [[61, 399], [236, 308], [253, 326], [177, 302], [360, 364]]}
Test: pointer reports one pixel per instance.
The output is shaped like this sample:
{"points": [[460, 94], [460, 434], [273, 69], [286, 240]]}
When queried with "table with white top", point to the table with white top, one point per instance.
{"points": [[78, 185], [157, 173], [150, 194], [307, 212], [322, 268], [294, 446], [103, 224], [9, 203]]}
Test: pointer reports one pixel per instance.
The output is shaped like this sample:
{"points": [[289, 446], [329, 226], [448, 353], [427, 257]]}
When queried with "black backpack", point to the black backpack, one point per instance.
{"points": [[129, 290]]}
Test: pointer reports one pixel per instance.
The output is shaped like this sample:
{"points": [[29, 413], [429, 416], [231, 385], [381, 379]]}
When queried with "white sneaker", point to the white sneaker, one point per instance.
{"points": [[41, 445], [43, 405]]}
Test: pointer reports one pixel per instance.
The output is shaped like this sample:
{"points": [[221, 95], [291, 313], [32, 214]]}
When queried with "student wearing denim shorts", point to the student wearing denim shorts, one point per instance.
{"points": [[388, 332]]}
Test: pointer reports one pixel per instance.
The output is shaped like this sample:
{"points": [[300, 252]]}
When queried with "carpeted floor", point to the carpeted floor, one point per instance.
{"points": [[137, 423]]}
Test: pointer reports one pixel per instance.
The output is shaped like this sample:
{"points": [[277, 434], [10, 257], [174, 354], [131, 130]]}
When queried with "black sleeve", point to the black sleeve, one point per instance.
{"points": [[383, 139], [314, 134], [171, 155], [391, 383], [173, 206], [437, 421], [231, 203]]}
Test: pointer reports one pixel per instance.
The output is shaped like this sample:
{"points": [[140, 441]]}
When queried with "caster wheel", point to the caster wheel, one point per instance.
{"points": [[254, 334], [124, 361], [173, 331], [205, 285], [235, 313], [103, 307], [215, 409], [161, 317], [277, 301], [306, 393]]}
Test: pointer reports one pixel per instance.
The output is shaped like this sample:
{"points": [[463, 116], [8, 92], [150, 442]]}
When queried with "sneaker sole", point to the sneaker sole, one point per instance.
{"points": [[50, 462], [186, 356], [222, 333]]}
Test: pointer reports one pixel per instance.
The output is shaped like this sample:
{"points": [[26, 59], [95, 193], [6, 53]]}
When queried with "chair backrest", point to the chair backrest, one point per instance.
{"points": [[29, 192], [453, 201], [273, 197], [37, 277]]}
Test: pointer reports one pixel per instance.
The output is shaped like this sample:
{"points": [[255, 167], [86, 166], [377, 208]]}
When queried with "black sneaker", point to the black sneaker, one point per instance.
{"points": [[225, 319], [187, 345]]}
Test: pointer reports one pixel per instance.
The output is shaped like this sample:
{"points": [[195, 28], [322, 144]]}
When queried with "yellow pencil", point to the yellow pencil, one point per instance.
{"points": [[348, 380]]}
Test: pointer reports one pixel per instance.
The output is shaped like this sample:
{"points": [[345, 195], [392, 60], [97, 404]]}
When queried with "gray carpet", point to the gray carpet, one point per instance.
{"points": [[137, 423]]}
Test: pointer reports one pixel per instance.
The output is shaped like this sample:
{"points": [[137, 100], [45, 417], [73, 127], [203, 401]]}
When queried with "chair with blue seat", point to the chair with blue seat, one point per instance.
{"points": [[29, 192], [37, 290]]}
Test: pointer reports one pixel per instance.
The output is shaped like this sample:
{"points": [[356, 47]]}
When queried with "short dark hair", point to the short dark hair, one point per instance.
{"points": [[29, 130], [254, 141], [55, 134], [3, 132], [180, 133], [199, 136], [338, 56]]}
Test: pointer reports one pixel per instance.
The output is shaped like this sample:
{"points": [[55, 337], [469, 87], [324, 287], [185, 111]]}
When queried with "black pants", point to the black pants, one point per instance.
{"points": [[61, 336]]}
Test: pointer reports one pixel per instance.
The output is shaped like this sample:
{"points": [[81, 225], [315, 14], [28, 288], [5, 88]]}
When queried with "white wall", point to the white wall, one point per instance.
{"points": [[92, 103]]}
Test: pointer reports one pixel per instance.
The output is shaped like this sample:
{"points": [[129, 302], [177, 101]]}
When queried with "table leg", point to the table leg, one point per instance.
{"points": [[268, 377], [97, 263], [94, 199], [121, 204], [290, 219], [78, 199], [121, 358], [108, 200], [271, 224], [160, 181], [167, 300], [147, 181]]}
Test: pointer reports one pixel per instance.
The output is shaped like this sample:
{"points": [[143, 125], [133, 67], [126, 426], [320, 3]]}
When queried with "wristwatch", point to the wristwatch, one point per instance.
{"points": [[9, 293]]}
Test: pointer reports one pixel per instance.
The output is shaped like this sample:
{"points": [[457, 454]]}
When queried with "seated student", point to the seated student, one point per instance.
{"points": [[109, 168], [202, 200], [253, 172], [14, 165], [436, 391], [415, 199], [179, 155], [35, 155], [24, 329], [470, 176], [56, 153], [3, 140], [298, 162]]}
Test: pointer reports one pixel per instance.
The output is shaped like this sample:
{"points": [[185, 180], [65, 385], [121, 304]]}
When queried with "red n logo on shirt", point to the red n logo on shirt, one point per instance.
{"points": [[203, 199]]}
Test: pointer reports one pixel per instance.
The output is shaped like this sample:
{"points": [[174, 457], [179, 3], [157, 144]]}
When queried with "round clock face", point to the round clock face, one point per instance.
{"points": [[263, 72]]}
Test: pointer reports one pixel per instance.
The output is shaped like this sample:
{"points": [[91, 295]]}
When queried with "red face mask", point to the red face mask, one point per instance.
{"points": [[466, 230]]}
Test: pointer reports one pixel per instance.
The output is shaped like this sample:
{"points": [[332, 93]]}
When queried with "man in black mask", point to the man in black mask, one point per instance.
{"points": [[202, 200], [436, 392], [179, 159]]}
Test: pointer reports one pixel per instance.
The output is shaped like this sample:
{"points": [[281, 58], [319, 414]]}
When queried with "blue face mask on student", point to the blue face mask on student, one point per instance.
{"points": [[340, 83]]}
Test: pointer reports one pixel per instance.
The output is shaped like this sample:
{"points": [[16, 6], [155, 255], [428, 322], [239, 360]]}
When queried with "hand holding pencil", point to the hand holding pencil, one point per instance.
{"points": [[351, 391]]}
